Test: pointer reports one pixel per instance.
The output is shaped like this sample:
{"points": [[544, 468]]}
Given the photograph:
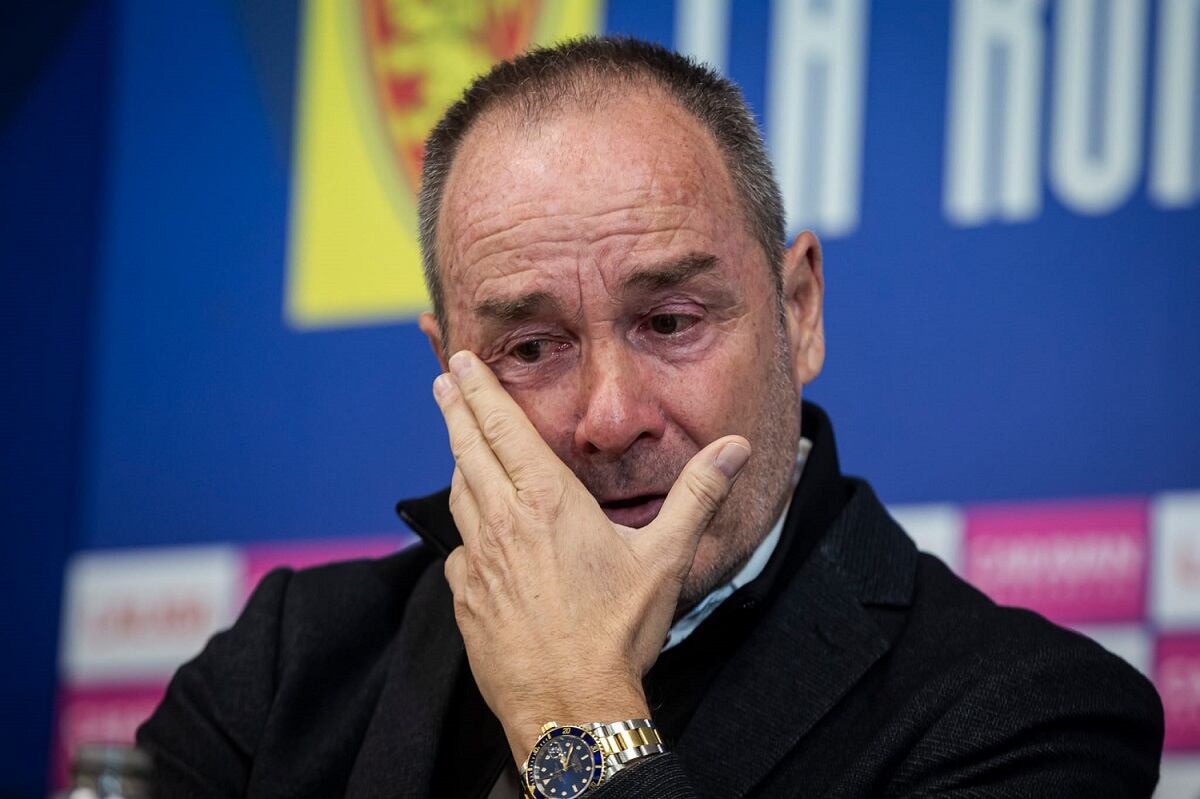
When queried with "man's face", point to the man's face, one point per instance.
{"points": [[600, 264]]}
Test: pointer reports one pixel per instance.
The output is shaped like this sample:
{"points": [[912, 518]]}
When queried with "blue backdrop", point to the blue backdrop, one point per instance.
{"points": [[145, 212]]}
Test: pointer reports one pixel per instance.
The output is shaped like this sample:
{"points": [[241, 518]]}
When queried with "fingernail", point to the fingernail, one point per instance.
{"points": [[442, 385], [732, 458], [460, 362]]}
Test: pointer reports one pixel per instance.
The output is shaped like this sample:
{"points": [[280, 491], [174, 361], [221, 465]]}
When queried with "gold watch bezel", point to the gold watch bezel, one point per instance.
{"points": [[550, 731]]}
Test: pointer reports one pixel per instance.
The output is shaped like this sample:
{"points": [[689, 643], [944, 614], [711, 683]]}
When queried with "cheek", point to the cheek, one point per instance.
{"points": [[701, 405], [552, 411], [720, 394]]}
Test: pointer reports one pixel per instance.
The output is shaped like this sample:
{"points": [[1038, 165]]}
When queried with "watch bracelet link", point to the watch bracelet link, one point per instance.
{"points": [[626, 741]]}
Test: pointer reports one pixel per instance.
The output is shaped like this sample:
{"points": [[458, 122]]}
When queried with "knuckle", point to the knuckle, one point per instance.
{"points": [[462, 572], [465, 443], [490, 549], [707, 491], [462, 607], [542, 494], [458, 498], [453, 569], [497, 425], [498, 523]]}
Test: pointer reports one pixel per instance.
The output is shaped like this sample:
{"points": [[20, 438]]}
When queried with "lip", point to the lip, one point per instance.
{"points": [[633, 512]]}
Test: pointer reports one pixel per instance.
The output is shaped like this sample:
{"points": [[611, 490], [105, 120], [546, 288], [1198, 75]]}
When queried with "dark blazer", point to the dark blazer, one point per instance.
{"points": [[875, 672]]}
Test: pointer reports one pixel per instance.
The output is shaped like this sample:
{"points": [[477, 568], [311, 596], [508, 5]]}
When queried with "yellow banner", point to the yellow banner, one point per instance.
{"points": [[375, 76]]}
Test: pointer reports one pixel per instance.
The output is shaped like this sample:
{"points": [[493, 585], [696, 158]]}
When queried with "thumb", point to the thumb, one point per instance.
{"points": [[696, 496]]}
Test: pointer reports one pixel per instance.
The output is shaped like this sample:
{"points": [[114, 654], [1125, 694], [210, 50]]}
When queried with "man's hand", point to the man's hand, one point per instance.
{"points": [[562, 611]]}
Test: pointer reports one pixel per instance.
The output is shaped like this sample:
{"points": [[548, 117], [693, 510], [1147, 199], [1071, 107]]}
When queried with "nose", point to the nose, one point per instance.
{"points": [[619, 406]]}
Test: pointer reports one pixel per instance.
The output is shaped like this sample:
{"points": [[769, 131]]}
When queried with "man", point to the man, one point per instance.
{"points": [[645, 529]]}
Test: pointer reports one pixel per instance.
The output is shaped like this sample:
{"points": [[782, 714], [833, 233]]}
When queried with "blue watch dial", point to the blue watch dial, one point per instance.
{"points": [[565, 763]]}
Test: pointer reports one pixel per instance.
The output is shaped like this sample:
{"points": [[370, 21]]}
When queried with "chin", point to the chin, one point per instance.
{"points": [[715, 563]]}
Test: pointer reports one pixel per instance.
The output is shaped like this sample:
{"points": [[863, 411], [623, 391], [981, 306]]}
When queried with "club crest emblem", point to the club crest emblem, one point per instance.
{"points": [[374, 76], [418, 56]]}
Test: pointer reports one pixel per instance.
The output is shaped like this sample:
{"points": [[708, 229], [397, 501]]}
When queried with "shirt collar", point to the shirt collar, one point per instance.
{"points": [[753, 567]]}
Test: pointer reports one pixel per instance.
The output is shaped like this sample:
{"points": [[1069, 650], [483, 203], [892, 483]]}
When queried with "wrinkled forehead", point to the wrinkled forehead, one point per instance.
{"points": [[628, 179]]}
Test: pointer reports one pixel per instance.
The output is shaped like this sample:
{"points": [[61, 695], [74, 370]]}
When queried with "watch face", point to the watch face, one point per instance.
{"points": [[565, 763]]}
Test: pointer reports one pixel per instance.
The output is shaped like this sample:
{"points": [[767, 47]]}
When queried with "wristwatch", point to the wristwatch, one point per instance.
{"points": [[569, 760]]}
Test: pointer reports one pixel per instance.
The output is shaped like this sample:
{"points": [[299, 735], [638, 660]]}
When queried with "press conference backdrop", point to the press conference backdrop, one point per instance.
{"points": [[1009, 196]]}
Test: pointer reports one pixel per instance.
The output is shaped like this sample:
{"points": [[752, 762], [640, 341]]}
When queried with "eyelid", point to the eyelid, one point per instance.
{"points": [[692, 312], [517, 338], [678, 305]]}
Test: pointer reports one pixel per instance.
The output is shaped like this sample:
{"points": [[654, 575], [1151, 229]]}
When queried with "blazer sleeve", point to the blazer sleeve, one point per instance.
{"points": [[660, 777], [204, 733], [1065, 722]]}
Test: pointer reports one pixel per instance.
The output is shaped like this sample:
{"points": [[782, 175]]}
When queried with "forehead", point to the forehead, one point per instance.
{"points": [[587, 191]]}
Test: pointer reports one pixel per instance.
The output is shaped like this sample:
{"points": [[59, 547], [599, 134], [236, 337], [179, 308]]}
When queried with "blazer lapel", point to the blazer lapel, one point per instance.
{"points": [[399, 749], [810, 649]]}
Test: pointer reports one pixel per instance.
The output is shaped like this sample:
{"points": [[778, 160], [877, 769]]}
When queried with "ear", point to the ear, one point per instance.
{"points": [[433, 331], [803, 306]]}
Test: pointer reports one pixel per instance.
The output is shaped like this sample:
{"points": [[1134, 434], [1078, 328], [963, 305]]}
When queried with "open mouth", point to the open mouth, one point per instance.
{"points": [[637, 511]]}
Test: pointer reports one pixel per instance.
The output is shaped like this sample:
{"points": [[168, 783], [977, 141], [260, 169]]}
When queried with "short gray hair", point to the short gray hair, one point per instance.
{"points": [[585, 70]]}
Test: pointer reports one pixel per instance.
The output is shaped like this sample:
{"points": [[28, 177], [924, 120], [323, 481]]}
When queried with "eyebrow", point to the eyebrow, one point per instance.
{"points": [[672, 273], [517, 309]]}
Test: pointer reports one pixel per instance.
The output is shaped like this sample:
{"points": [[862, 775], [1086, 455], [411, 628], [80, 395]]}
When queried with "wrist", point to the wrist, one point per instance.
{"points": [[524, 729]]}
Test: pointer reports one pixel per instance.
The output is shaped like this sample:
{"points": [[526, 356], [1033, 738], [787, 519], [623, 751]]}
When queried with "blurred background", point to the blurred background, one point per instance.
{"points": [[211, 364]]}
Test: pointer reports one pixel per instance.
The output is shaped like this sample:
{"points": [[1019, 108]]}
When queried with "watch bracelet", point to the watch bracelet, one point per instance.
{"points": [[624, 742]]}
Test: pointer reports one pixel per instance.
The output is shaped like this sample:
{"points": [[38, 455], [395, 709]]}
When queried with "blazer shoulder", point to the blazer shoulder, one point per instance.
{"points": [[346, 596], [395, 573], [996, 644], [306, 659], [1018, 701]]}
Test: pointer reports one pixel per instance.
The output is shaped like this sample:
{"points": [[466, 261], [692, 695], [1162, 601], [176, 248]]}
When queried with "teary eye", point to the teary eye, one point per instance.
{"points": [[667, 324], [529, 351]]}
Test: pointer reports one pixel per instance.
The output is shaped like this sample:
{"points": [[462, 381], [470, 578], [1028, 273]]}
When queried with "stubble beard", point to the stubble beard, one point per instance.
{"points": [[760, 493]]}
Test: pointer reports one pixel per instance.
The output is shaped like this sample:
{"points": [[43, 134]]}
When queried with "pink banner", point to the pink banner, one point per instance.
{"points": [[1177, 676], [1074, 562], [98, 714]]}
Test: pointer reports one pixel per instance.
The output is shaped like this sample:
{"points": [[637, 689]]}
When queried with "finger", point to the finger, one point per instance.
{"points": [[472, 454], [696, 496], [464, 508], [508, 431]]}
